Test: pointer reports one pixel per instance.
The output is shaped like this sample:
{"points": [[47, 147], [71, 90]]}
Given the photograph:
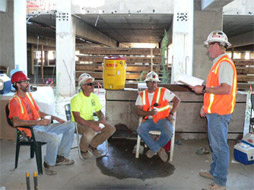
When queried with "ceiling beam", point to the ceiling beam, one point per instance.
{"points": [[41, 41], [213, 5], [90, 33], [242, 39]]}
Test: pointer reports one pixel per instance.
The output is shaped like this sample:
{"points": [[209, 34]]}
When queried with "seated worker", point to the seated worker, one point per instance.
{"points": [[153, 105], [83, 105], [25, 112]]}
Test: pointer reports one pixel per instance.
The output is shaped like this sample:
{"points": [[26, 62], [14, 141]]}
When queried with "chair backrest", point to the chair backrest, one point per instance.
{"points": [[7, 111], [67, 108]]}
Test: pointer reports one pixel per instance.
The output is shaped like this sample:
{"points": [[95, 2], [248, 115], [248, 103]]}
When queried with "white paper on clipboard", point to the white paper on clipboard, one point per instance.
{"points": [[189, 80]]}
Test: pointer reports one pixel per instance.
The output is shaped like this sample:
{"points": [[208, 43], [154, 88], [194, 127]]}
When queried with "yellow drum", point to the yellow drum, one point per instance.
{"points": [[114, 72]]}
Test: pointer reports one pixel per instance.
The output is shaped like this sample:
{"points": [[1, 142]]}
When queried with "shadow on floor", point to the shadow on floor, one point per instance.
{"points": [[121, 163]]}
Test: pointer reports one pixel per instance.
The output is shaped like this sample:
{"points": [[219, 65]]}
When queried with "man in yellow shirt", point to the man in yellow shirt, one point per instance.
{"points": [[83, 106]]}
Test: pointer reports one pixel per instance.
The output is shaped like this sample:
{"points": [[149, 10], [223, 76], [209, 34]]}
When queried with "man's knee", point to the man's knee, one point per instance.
{"points": [[54, 140]]}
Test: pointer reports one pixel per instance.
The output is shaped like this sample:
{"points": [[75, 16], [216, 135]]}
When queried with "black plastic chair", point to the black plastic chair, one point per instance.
{"points": [[35, 146]]}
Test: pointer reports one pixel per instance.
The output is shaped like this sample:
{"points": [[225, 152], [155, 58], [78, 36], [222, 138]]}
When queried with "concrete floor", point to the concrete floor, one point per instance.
{"points": [[95, 173]]}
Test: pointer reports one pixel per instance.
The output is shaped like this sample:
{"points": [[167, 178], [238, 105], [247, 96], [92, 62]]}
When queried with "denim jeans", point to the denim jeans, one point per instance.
{"points": [[163, 125], [217, 134], [55, 145]]}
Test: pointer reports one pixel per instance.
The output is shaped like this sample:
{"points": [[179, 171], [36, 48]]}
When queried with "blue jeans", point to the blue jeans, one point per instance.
{"points": [[55, 145], [217, 134], [163, 125]]}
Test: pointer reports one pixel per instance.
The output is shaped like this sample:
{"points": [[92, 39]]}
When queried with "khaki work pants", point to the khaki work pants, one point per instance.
{"points": [[92, 138]]}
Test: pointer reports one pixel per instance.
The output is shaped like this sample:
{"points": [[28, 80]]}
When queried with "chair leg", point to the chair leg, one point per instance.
{"points": [[17, 154], [32, 150], [138, 146], [172, 145], [38, 156]]}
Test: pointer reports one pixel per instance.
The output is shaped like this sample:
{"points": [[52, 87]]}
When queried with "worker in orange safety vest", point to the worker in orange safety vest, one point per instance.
{"points": [[25, 112], [219, 103], [153, 105]]}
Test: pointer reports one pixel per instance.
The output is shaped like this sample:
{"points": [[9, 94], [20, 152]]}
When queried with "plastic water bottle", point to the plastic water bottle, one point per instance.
{"points": [[11, 73]]}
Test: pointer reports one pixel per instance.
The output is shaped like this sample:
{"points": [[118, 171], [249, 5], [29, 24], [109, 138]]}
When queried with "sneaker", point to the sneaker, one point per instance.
{"points": [[206, 174], [150, 154], [63, 161], [95, 152], [163, 155], [87, 154], [50, 170], [214, 186]]}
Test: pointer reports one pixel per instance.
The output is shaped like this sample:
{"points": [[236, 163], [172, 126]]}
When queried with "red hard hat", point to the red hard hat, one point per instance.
{"points": [[18, 76]]}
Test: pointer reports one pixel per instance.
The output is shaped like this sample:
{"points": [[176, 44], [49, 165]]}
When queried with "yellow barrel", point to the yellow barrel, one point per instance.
{"points": [[114, 72]]}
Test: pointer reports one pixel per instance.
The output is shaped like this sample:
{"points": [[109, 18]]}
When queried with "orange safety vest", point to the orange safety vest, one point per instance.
{"points": [[163, 106], [23, 111], [215, 103]]}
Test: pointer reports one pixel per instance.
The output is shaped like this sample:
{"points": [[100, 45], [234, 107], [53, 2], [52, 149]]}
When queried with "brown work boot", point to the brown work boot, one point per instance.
{"points": [[150, 154], [95, 152], [87, 154], [215, 186], [50, 170], [206, 174], [163, 155], [61, 160]]}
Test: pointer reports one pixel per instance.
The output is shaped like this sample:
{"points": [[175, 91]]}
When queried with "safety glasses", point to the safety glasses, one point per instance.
{"points": [[25, 81]]}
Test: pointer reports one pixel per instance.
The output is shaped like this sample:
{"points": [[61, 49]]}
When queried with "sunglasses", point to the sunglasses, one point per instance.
{"points": [[89, 84]]}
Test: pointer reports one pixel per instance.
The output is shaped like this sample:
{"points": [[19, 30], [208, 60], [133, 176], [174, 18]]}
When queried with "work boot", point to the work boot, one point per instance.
{"points": [[150, 154], [87, 154], [163, 155], [95, 152], [206, 174], [215, 186], [61, 160], [50, 170]]}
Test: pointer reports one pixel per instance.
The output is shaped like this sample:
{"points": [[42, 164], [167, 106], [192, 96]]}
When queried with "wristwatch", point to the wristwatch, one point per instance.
{"points": [[203, 91], [171, 113]]}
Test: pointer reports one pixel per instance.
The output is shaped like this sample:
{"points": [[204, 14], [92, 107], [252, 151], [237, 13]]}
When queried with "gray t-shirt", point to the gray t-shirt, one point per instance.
{"points": [[225, 71]]}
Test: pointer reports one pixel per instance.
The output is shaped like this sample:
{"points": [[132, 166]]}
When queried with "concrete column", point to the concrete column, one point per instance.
{"points": [[204, 23], [182, 38], [65, 49], [13, 35], [20, 35]]}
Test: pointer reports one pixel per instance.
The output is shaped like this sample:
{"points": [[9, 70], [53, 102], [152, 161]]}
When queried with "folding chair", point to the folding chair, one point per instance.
{"points": [[35, 146], [67, 108], [155, 132]]}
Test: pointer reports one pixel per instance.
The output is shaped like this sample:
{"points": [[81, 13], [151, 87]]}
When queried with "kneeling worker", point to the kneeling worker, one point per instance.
{"points": [[153, 105], [83, 105]]}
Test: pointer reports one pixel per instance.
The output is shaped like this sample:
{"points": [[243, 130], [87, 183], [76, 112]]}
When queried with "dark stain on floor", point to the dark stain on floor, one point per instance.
{"points": [[121, 163]]}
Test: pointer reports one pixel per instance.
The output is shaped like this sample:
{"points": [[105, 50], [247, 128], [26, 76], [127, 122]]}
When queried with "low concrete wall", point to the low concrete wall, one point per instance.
{"points": [[120, 108]]}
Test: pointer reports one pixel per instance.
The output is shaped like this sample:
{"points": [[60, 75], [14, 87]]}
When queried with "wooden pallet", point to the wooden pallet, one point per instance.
{"points": [[139, 61], [245, 74]]}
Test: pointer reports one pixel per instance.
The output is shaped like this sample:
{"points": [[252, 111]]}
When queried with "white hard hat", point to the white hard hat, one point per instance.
{"points": [[84, 77], [152, 76], [217, 36]]}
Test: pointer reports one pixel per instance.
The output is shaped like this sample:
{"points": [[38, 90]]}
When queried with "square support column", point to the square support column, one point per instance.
{"points": [[65, 49]]}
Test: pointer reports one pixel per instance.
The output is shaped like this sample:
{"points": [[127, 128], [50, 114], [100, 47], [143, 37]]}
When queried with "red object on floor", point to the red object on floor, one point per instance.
{"points": [[167, 146]]}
